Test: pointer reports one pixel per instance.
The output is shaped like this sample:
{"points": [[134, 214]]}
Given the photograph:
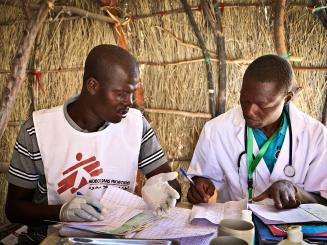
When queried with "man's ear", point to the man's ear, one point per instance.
{"points": [[289, 96], [92, 85]]}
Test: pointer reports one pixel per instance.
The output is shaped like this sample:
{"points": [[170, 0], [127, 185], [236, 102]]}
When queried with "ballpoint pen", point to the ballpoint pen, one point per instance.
{"points": [[183, 172], [96, 208]]}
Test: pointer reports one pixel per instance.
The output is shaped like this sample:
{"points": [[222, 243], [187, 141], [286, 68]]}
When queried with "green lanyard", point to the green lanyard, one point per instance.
{"points": [[252, 163]]}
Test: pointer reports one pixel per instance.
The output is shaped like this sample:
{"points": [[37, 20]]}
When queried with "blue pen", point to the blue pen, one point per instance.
{"points": [[96, 208], [183, 172]]}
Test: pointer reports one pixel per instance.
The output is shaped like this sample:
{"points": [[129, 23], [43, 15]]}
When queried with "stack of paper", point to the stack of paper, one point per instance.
{"points": [[175, 225], [114, 217], [119, 205], [127, 214], [116, 196], [215, 212], [303, 214]]}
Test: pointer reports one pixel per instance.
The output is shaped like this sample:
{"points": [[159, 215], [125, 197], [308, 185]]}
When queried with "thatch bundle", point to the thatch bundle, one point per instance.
{"points": [[63, 43]]}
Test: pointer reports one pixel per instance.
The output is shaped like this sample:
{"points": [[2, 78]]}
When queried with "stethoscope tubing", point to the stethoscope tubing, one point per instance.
{"points": [[290, 154]]}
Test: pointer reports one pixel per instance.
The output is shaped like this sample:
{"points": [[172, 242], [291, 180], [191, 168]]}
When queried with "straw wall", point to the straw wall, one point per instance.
{"points": [[248, 30]]}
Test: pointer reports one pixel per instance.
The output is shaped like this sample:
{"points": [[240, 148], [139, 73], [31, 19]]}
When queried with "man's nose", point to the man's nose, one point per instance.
{"points": [[251, 111]]}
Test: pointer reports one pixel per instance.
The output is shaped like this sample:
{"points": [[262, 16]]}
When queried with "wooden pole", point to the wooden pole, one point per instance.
{"points": [[222, 67], [206, 55], [178, 62], [35, 80], [182, 42], [279, 28], [151, 111], [322, 16], [319, 11], [216, 26], [180, 113], [69, 10], [324, 110], [19, 65], [240, 4], [83, 14]]}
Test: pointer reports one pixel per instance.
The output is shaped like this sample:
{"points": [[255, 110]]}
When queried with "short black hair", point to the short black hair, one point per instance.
{"points": [[103, 58], [270, 68]]}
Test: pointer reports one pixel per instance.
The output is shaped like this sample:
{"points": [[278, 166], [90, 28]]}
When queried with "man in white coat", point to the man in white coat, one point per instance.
{"points": [[65, 157], [265, 148]]}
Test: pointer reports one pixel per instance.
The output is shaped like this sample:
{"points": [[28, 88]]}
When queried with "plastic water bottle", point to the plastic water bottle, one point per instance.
{"points": [[294, 236], [246, 215]]}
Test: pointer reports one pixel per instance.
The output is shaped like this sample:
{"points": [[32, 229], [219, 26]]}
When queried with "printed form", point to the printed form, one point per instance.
{"points": [[176, 225], [119, 207], [215, 212], [312, 212], [127, 214]]}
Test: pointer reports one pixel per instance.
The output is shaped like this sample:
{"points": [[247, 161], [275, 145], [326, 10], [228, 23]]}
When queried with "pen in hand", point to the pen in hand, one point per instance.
{"points": [[200, 194], [93, 206], [183, 173]]}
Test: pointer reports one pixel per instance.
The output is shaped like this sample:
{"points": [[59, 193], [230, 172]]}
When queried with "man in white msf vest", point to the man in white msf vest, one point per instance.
{"points": [[93, 141]]}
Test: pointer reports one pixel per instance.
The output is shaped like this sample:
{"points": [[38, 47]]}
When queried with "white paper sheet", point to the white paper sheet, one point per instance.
{"points": [[270, 215], [119, 206], [114, 195], [176, 225], [316, 210], [114, 217], [122, 205], [215, 212]]}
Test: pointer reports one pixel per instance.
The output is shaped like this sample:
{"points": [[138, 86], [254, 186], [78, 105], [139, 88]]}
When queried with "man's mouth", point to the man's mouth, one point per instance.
{"points": [[251, 122], [123, 112]]}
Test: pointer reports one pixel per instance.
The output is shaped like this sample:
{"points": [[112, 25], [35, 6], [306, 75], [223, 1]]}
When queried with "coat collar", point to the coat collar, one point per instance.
{"points": [[296, 117], [238, 119]]}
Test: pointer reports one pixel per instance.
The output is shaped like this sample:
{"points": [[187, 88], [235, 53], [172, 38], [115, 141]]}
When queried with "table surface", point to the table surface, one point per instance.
{"points": [[54, 237]]}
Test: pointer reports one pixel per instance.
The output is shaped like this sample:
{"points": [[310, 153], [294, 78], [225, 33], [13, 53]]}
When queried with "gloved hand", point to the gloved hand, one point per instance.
{"points": [[81, 208], [158, 194]]}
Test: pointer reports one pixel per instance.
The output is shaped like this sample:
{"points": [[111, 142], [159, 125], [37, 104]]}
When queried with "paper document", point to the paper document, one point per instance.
{"points": [[215, 212], [115, 195], [303, 214], [175, 225], [119, 205], [128, 215], [135, 224], [114, 217], [316, 210]]}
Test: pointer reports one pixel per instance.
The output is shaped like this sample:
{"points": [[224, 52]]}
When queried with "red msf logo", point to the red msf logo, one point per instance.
{"points": [[78, 175]]}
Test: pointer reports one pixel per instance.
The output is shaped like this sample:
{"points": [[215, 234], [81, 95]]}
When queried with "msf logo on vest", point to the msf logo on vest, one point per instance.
{"points": [[78, 175]]}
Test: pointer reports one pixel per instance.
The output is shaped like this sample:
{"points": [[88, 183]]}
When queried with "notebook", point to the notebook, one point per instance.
{"points": [[305, 213]]}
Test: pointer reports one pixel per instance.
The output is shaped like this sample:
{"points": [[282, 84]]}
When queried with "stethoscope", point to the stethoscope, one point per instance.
{"points": [[289, 169]]}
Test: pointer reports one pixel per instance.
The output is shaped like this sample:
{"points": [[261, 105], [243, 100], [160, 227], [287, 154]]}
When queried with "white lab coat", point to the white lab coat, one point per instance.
{"points": [[222, 140]]}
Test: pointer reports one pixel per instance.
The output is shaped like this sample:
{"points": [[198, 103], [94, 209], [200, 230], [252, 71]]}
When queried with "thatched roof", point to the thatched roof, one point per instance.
{"points": [[173, 71]]}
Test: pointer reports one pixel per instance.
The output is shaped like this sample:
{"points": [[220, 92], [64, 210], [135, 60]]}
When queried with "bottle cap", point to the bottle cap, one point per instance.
{"points": [[247, 215], [294, 233]]}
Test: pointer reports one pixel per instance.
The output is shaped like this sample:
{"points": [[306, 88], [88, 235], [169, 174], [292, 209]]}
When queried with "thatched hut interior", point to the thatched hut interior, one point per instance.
{"points": [[177, 58]]}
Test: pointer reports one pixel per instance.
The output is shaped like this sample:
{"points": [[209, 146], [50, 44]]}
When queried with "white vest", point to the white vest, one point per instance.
{"points": [[87, 162]]}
